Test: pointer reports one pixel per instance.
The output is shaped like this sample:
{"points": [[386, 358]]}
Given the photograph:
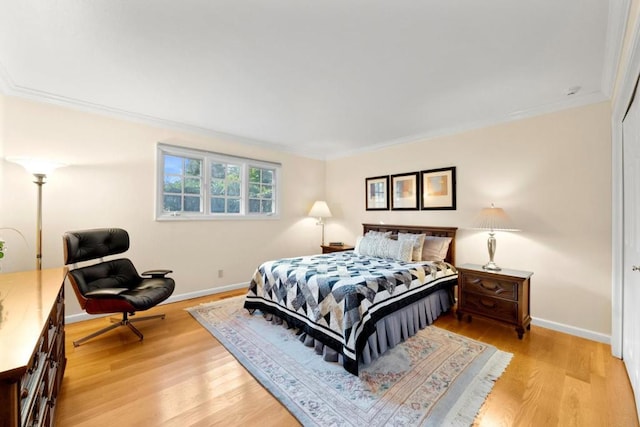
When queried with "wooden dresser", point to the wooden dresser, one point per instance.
{"points": [[499, 295], [32, 356]]}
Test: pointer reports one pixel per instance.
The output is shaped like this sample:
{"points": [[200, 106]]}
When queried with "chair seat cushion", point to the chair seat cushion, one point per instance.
{"points": [[149, 293], [106, 292], [115, 285]]}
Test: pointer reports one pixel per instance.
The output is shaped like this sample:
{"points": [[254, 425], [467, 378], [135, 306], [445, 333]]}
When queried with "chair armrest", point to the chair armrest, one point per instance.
{"points": [[156, 273], [105, 292]]}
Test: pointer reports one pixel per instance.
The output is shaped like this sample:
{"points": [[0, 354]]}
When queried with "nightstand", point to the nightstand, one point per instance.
{"points": [[327, 249], [499, 295]]}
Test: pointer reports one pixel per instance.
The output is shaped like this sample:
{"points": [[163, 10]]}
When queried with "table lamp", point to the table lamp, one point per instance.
{"points": [[493, 219]]}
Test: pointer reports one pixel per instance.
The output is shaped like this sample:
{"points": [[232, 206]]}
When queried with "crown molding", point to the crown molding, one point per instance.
{"points": [[46, 97], [5, 81], [8, 87], [573, 101], [616, 28]]}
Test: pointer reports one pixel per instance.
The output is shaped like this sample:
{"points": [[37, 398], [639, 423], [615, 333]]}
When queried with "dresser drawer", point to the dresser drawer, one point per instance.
{"points": [[491, 307], [490, 286]]}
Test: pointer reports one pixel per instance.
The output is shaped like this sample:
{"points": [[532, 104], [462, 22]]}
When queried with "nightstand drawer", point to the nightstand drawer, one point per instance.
{"points": [[491, 287], [491, 307]]}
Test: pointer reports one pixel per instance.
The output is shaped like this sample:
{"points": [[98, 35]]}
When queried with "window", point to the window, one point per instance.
{"points": [[196, 184]]}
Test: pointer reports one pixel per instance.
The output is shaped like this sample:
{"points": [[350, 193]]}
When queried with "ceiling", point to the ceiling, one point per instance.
{"points": [[318, 78]]}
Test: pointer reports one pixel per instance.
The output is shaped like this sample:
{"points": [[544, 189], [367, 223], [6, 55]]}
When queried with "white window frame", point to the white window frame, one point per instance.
{"points": [[209, 157]]}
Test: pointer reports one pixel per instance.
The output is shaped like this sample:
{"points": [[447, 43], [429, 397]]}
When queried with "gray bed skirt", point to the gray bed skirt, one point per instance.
{"points": [[390, 330]]}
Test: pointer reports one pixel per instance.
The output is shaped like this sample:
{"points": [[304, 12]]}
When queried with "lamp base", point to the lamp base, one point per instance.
{"points": [[491, 266]]}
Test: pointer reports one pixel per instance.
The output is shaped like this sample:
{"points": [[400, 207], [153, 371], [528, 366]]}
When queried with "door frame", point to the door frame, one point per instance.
{"points": [[622, 99]]}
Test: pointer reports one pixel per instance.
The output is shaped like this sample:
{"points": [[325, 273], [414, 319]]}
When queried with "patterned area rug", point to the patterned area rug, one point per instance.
{"points": [[436, 378]]}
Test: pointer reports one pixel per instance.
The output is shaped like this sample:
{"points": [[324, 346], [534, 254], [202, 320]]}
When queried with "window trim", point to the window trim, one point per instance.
{"points": [[207, 158]]}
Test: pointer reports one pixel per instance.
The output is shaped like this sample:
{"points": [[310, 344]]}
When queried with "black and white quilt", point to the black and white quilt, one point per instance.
{"points": [[337, 298]]}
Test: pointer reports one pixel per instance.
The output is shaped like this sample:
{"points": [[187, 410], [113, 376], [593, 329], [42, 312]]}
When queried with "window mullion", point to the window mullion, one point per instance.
{"points": [[206, 184], [244, 189]]}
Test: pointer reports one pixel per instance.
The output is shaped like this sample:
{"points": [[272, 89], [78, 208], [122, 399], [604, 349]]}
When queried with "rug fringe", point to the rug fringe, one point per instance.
{"points": [[468, 406]]}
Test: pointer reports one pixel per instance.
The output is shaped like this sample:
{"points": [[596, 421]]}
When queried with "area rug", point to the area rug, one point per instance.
{"points": [[435, 378]]}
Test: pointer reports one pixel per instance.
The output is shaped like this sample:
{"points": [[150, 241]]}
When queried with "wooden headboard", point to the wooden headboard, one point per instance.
{"points": [[419, 229]]}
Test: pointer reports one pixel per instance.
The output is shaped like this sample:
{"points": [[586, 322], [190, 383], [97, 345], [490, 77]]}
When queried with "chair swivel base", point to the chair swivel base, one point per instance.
{"points": [[125, 321]]}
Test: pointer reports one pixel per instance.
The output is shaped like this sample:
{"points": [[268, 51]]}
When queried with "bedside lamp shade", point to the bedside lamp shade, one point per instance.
{"points": [[493, 219], [320, 210]]}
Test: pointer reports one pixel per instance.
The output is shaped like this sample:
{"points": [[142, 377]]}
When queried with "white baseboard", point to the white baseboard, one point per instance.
{"points": [[572, 330], [560, 327], [72, 318]]}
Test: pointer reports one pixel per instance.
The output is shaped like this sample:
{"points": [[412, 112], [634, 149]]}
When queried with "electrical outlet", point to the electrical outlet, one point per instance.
{"points": [[220, 274]]}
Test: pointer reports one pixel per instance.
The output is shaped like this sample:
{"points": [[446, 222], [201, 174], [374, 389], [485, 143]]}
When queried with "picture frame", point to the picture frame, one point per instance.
{"points": [[438, 189], [404, 191], [377, 193]]}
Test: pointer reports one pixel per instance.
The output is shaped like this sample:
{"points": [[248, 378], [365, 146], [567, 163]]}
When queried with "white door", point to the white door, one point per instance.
{"points": [[631, 269]]}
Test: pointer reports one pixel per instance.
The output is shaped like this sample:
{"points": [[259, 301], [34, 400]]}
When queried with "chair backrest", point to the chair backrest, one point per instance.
{"points": [[85, 245]]}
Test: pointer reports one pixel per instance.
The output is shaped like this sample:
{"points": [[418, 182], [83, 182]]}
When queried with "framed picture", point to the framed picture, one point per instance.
{"points": [[377, 193], [404, 191], [439, 189]]}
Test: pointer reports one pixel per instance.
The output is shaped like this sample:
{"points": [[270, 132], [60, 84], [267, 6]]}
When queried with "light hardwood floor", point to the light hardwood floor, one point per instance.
{"points": [[181, 376]]}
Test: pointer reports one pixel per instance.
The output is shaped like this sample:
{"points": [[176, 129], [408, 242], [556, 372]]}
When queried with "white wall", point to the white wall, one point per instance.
{"points": [[110, 182], [552, 175]]}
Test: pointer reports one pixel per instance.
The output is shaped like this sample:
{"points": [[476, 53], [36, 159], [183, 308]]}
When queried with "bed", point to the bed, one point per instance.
{"points": [[354, 305]]}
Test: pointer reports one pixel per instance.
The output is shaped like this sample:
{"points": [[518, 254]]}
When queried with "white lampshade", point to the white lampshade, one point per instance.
{"points": [[320, 210], [494, 219], [36, 166]]}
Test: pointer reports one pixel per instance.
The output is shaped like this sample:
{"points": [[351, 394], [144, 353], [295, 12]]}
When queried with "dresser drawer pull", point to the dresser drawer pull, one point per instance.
{"points": [[490, 304]]}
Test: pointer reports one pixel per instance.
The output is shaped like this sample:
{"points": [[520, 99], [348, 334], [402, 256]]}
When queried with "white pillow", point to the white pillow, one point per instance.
{"points": [[435, 248], [417, 241], [385, 248], [378, 234]]}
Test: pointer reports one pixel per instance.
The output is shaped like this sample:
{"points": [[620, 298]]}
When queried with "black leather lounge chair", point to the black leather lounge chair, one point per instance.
{"points": [[112, 286]]}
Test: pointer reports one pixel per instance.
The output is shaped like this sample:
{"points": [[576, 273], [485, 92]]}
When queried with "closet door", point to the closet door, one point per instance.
{"points": [[631, 268]]}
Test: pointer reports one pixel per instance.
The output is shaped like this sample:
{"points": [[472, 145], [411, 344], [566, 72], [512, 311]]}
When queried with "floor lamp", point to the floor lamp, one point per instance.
{"points": [[40, 169]]}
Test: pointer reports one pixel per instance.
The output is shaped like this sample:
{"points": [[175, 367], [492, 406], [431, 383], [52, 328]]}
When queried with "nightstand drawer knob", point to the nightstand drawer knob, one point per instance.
{"points": [[490, 287], [488, 304], [635, 268]]}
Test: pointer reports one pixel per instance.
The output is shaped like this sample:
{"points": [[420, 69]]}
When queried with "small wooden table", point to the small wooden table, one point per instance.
{"points": [[499, 295], [326, 249]]}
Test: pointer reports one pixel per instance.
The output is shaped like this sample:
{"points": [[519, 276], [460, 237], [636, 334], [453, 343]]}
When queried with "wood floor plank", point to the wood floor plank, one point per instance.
{"points": [[179, 375]]}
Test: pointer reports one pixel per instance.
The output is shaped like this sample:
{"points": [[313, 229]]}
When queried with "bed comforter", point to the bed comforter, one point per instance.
{"points": [[337, 298]]}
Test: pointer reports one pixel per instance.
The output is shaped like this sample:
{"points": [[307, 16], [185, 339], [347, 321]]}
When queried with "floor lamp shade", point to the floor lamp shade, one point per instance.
{"points": [[40, 168], [36, 166], [320, 210], [493, 219]]}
